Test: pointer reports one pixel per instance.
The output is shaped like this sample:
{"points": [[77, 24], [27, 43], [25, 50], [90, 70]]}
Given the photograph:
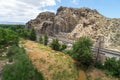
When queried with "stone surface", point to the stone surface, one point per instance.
{"points": [[76, 22]]}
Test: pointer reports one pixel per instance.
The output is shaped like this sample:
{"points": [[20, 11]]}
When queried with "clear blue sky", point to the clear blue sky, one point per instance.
{"points": [[24, 10], [109, 8]]}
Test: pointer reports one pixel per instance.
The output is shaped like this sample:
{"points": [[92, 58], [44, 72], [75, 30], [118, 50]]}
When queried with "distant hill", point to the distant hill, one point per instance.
{"points": [[73, 23], [12, 23]]}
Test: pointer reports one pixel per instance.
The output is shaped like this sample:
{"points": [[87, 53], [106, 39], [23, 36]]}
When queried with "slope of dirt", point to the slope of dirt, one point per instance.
{"points": [[52, 64], [96, 74]]}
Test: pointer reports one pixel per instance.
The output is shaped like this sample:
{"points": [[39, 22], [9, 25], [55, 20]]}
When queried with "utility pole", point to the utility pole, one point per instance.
{"points": [[100, 42]]}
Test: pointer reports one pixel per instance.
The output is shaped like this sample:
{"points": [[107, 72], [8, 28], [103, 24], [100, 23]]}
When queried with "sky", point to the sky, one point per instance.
{"points": [[25, 10]]}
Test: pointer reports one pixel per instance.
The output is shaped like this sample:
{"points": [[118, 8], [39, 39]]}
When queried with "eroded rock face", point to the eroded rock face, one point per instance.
{"points": [[77, 22], [43, 23], [65, 19]]}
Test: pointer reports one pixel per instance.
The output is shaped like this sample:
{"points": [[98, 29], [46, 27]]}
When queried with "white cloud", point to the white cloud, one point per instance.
{"points": [[59, 1], [22, 10], [41, 3], [76, 2]]}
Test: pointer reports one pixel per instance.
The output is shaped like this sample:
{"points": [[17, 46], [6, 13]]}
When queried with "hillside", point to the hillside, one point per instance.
{"points": [[55, 65], [77, 22], [32, 60], [52, 64]]}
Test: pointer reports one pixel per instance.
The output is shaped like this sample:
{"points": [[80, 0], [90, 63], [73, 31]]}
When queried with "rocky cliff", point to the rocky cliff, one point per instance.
{"points": [[73, 23]]}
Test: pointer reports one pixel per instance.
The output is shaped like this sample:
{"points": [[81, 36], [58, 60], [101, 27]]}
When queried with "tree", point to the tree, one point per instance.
{"points": [[63, 47], [12, 50], [45, 39], [55, 45], [8, 37], [82, 51], [41, 40], [33, 35]]}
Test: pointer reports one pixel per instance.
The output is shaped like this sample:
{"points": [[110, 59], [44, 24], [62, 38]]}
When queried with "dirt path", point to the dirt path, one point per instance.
{"points": [[82, 75], [43, 60]]}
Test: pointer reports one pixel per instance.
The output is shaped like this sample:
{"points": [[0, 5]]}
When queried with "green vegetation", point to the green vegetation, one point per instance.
{"points": [[68, 51], [111, 66], [21, 68], [59, 65], [8, 37], [98, 78], [45, 39], [55, 45], [99, 65], [21, 31], [63, 47], [12, 27], [12, 50], [81, 51], [33, 35], [41, 40]]}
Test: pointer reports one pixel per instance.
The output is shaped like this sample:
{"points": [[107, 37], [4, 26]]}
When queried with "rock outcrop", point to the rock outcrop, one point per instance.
{"points": [[76, 22], [43, 23]]}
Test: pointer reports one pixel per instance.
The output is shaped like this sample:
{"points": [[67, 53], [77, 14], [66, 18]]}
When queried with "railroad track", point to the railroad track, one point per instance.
{"points": [[103, 50], [107, 52]]}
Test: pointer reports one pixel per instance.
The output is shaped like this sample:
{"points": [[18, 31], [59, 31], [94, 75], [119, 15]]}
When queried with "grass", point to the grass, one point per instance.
{"points": [[21, 69], [60, 75], [54, 65], [42, 60], [98, 78], [50, 67]]}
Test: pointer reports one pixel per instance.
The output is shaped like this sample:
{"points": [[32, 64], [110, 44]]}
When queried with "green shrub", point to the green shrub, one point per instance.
{"points": [[112, 65], [99, 65], [33, 35], [10, 59], [24, 33], [55, 45], [8, 37], [12, 50], [41, 40], [21, 69], [81, 51], [45, 39], [69, 52], [1, 46], [63, 47], [20, 30]]}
